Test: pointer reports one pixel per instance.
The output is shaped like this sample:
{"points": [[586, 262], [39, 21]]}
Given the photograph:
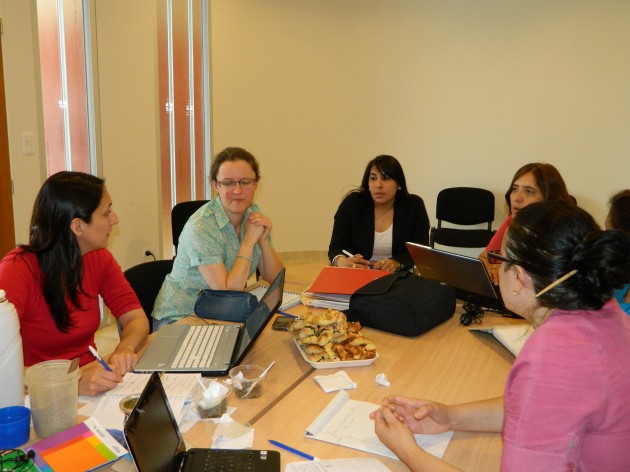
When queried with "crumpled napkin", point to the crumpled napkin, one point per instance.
{"points": [[232, 435], [381, 379], [334, 382]]}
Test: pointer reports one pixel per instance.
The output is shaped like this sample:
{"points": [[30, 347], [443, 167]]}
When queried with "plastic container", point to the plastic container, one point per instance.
{"points": [[54, 396], [247, 380], [212, 400], [11, 357], [15, 426]]}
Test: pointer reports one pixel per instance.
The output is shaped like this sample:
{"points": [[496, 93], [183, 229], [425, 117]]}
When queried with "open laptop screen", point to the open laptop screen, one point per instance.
{"points": [[257, 320], [467, 275], [151, 432]]}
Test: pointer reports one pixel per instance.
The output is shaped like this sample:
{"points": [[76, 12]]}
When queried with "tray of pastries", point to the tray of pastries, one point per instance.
{"points": [[326, 340]]}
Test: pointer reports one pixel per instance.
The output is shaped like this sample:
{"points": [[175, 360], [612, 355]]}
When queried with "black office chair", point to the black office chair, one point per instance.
{"points": [[146, 280], [180, 214], [463, 206]]}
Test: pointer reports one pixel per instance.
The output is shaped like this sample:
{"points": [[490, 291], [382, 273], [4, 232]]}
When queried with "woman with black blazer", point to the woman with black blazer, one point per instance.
{"points": [[374, 222]]}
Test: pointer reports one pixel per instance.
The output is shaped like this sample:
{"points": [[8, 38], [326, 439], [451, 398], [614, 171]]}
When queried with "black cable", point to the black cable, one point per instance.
{"points": [[473, 312]]}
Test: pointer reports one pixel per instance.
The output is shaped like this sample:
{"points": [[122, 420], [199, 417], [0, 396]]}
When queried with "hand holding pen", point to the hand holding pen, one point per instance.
{"points": [[96, 379], [356, 261]]}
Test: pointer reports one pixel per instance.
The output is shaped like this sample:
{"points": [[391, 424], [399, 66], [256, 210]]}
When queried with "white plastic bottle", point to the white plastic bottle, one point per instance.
{"points": [[11, 355]]}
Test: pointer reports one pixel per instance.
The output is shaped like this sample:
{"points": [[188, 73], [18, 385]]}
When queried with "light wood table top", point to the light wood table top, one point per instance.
{"points": [[448, 364]]}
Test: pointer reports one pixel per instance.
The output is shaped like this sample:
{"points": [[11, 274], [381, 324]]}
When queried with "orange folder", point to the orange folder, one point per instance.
{"points": [[343, 280]]}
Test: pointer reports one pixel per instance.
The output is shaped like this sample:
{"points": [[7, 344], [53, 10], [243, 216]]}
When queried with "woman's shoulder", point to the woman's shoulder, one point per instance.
{"points": [[356, 198], [21, 257], [411, 200]]}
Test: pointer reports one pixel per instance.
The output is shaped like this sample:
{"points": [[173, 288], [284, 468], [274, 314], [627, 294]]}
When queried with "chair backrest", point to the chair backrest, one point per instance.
{"points": [[146, 280], [463, 206], [180, 214]]}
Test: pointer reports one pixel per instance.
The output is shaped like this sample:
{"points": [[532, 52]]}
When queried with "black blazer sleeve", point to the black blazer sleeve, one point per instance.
{"points": [[353, 228]]}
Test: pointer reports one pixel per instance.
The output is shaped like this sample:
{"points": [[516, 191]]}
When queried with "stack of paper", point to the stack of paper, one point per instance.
{"points": [[334, 285], [512, 336]]}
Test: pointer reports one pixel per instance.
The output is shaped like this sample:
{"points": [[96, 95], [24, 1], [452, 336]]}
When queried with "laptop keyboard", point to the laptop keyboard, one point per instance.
{"points": [[219, 460], [199, 347]]}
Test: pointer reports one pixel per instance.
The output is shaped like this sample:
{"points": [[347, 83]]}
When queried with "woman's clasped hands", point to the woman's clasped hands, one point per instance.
{"points": [[399, 418]]}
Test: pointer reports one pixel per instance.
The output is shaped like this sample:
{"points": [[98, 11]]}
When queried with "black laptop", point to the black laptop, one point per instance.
{"points": [[156, 444], [213, 348], [467, 275]]}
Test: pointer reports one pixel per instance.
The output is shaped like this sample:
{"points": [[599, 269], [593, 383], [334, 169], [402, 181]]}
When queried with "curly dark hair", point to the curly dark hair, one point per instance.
{"points": [[551, 238]]}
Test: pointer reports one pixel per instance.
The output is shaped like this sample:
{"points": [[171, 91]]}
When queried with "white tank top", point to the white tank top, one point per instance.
{"points": [[382, 245]]}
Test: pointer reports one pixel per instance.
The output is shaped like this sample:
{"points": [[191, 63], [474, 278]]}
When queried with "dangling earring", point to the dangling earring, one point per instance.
{"points": [[399, 188]]}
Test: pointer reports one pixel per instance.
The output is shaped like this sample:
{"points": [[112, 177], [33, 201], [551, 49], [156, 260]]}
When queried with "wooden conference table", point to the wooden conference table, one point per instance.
{"points": [[448, 364]]}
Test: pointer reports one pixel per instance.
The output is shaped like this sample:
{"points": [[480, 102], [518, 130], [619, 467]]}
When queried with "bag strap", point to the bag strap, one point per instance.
{"points": [[383, 284]]}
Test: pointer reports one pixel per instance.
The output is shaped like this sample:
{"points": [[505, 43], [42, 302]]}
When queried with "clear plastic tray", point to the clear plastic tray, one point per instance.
{"points": [[333, 364]]}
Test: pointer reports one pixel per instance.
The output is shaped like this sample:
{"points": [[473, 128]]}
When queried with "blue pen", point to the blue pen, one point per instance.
{"points": [[287, 314], [294, 451], [349, 254], [98, 358]]}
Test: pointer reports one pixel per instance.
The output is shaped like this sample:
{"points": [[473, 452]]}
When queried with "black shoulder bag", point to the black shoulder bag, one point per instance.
{"points": [[402, 303]]}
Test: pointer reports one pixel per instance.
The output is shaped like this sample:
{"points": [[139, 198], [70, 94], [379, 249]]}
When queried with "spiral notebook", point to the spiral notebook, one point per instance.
{"points": [[289, 299]]}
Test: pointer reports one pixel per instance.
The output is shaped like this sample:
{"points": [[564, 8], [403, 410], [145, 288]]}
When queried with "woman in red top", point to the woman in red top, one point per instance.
{"points": [[534, 182], [55, 282]]}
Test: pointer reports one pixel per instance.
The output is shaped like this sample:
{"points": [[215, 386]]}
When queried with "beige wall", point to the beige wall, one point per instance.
{"points": [[463, 93]]}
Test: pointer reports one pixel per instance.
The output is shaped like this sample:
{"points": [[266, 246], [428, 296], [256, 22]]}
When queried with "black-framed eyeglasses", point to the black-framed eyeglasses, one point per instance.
{"points": [[230, 184], [495, 257]]}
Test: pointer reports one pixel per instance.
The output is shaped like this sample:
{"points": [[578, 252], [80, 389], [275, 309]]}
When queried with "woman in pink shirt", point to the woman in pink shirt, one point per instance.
{"points": [[566, 405], [534, 182]]}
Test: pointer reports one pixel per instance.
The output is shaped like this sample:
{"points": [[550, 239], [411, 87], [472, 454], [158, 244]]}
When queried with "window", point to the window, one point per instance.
{"points": [[184, 95], [66, 75]]}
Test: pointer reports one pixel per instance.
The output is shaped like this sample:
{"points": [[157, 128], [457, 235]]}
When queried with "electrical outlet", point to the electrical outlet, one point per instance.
{"points": [[148, 254]]}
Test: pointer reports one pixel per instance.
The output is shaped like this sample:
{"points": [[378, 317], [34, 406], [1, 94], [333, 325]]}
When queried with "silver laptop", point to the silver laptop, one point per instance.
{"points": [[212, 348], [156, 444], [467, 275]]}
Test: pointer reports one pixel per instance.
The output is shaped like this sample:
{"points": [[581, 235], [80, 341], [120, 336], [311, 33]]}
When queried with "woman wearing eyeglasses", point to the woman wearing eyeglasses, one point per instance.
{"points": [[566, 404], [223, 243], [534, 182]]}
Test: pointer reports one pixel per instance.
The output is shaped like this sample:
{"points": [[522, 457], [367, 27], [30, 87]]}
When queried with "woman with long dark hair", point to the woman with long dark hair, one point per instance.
{"points": [[55, 281], [374, 222]]}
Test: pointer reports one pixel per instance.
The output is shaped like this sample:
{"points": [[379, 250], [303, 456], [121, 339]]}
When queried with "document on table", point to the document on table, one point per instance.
{"points": [[107, 411], [360, 464], [347, 423]]}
